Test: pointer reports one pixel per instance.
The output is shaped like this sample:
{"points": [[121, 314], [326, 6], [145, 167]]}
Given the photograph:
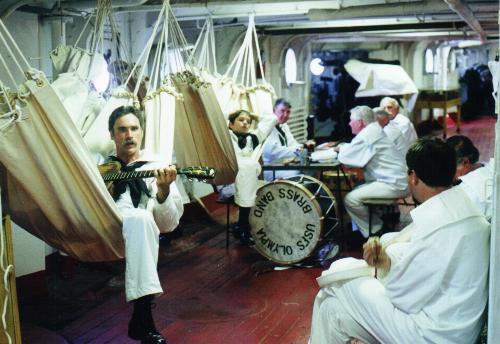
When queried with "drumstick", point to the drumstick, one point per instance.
{"points": [[377, 253]]}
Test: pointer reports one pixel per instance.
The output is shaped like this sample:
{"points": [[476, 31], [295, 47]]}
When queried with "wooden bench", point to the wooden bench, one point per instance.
{"points": [[387, 205]]}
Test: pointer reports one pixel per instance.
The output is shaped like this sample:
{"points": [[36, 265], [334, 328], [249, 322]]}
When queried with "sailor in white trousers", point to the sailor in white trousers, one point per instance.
{"points": [[148, 207], [383, 166], [141, 229], [431, 288]]}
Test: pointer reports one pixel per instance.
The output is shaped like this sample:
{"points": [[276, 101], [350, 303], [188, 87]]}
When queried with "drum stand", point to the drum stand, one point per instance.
{"points": [[340, 174], [338, 220]]}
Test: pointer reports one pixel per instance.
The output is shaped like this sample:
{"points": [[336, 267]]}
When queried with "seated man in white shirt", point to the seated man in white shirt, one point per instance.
{"points": [[148, 207], [475, 178], [394, 134], [281, 145], [383, 166], [400, 121], [432, 288]]}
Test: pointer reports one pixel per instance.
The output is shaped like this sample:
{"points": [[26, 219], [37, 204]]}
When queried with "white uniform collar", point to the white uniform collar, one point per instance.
{"points": [[449, 206]]}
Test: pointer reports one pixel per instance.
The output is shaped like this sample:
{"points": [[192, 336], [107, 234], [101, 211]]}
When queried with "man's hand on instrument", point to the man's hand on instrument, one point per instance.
{"points": [[164, 177], [374, 254]]}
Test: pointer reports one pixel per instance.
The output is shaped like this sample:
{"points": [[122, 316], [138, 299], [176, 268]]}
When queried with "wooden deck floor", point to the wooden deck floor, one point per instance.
{"points": [[212, 295]]}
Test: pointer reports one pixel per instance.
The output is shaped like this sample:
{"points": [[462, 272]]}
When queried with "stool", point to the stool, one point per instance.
{"points": [[385, 204], [228, 202]]}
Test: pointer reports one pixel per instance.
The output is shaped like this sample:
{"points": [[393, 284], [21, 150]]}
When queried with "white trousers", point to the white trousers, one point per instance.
{"points": [[359, 213], [141, 235], [360, 309]]}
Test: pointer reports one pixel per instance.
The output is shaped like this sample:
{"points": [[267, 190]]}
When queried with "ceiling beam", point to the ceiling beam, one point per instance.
{"points": [[418, 9], [192, 10], [467, 15]]}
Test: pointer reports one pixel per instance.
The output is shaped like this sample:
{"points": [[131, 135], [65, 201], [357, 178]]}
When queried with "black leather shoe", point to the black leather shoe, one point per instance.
{"points": [[138, 330], [153, 337], [246, 239]]}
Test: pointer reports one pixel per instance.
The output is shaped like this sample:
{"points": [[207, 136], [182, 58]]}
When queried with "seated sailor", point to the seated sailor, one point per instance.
{"points": [[399, 120], [475, 178], [383, 167], [281, 145], [148, 207], [432, 288]]}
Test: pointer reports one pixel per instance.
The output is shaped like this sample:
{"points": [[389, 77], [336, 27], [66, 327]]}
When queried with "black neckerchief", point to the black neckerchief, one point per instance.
{"points": [[282, 135], [137, 186], [242, 140]]}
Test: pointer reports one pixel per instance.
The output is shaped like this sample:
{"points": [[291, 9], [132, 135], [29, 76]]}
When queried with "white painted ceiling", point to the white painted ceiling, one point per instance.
{"points": [[397, 20]]}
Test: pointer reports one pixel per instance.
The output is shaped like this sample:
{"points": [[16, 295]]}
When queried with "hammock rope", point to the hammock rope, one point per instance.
{"points": [[7, 271], [203, 55]]}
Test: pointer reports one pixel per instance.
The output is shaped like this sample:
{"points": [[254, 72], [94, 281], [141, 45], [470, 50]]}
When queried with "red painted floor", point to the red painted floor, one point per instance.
{"points": [[214, 296]]}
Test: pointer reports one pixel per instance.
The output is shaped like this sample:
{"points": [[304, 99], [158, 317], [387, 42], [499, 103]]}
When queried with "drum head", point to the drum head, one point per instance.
{"points": [[286, 221]]}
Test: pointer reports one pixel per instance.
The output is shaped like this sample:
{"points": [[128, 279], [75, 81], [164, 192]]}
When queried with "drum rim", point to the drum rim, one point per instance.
{"points": [[316, 204]]}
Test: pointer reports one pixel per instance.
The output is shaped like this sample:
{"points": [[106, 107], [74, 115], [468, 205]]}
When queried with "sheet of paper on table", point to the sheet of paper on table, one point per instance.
{"points": [[325, 155]]}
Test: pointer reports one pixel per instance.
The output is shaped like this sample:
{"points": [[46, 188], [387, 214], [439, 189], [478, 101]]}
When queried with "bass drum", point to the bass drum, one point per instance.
{"points": [[292, 218]]}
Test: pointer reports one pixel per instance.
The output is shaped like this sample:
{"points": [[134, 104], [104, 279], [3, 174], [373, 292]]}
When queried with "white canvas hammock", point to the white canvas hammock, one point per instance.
{"points": [[54, 188], [260, 95], [78, 68], [202, 137], [239, 87], [160, 101]]}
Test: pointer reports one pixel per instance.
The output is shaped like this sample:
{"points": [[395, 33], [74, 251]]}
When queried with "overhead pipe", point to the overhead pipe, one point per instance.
{"points": [[87, 4], [468, 16], [355, 38], [12, 8], [77, 5]]}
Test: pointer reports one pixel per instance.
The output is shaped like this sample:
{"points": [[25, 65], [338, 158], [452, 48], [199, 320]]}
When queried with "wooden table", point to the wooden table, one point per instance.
{"points": [[445, 99]]}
